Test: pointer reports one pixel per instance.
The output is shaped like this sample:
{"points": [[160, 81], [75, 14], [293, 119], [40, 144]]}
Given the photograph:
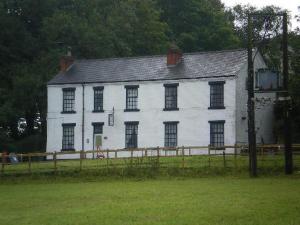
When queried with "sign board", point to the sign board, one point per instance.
{"points": [[267, 80], [111, 118]]}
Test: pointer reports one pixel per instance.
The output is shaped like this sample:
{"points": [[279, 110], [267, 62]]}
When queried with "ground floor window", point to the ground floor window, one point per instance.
{"points": [[131, 134], [170, 134], [98, 127], [217, 133], [68, 136]]}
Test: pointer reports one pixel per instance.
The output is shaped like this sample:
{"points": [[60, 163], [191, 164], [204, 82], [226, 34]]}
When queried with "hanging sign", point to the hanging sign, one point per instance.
{"points": [[111, 118]]}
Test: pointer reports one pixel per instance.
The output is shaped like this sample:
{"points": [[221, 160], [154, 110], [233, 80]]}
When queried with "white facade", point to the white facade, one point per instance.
{"points": [[193, 114]]}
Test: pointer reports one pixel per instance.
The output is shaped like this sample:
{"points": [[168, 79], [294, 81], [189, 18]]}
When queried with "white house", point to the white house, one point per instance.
{"points": [[194, 99]]}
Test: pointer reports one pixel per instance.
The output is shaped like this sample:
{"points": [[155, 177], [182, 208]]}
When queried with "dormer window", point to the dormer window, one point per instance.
{"points": [[68, 100]]}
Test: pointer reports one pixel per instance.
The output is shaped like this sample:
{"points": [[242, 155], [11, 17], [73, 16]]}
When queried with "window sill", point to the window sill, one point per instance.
{"points": [[217, 107], [98, 111], [68, 112], [131, 110], [68, 150], [171, 109]]}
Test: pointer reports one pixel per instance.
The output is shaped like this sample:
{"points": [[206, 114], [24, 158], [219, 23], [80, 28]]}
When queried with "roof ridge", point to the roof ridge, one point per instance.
{"points": [[161, 55]]}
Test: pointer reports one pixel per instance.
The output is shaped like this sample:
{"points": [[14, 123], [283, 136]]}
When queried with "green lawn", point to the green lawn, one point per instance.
{"points": [[214, 200]]}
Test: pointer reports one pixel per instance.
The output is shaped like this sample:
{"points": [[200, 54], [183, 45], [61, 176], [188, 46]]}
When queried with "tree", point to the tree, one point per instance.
{"points": [[198, 24]]}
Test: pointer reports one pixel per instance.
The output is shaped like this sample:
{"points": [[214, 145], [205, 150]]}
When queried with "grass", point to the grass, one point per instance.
{"points": [[163, 201]]}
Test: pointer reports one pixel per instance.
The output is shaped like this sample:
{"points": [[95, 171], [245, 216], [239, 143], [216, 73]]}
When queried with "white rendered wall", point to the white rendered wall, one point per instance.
{"points": [[264, 115], [193, 114]]}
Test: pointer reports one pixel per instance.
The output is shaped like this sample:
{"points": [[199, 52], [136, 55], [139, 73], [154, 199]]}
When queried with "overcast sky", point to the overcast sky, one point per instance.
{"points": [[290, 5]]}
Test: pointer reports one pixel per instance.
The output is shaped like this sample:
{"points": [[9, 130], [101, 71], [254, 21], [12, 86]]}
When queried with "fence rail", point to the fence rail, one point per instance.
{"points": [[184, 156]]}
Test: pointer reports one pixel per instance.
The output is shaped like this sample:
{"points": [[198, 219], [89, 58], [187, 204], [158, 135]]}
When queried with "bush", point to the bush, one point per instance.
{"points": [[33, 143]]}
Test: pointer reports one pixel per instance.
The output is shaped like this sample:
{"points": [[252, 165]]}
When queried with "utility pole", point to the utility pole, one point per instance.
{"points": [[287, 120], [251, 112]]}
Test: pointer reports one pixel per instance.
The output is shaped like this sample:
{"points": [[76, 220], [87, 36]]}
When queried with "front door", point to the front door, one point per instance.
{"points": [[97, 141]]}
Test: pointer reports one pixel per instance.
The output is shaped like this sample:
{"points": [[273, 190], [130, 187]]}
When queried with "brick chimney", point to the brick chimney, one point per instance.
{"points": [[66, 61], [174, 56]]}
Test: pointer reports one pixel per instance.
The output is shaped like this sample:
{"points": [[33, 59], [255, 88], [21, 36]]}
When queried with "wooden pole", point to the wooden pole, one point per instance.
{"points": [[287, 114], [251, 112]]}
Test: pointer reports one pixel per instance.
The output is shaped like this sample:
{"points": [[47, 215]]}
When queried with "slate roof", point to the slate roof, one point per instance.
{"points": [[149, 68]]}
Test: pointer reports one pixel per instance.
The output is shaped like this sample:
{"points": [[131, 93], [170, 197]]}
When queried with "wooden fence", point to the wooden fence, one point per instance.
{"points": [[183, 152]]}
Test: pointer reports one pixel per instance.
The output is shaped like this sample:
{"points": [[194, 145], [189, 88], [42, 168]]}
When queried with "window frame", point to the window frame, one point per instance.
{"points": [[167, 138], [129, 135], [218, 145], [100, 98], [134, 98], [64, 103], [94, 124], [64, 136], [175, 107], [218, 96]]}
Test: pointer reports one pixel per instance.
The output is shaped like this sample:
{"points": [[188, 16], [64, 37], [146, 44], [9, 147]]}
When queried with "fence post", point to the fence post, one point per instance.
{"points": [[158, 155], [107, 157], [81, 157], [116, 154], [3, 163], [235, 155], [55, 162], [208, 155], [176, 151], [262, 156], [189, 151], [182, 156], [224, 159], [29, 162]]}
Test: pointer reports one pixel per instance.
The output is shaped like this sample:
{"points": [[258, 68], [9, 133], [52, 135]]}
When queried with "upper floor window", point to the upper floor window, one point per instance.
{"points": [[217, 95], [217, 133], [171, 97], [170, 134], [131, 134], [68, 100], [68, 136], [98, 99], [131, 98]]}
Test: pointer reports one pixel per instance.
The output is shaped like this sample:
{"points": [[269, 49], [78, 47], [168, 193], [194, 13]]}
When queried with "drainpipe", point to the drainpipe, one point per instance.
{"points": [[82, 127]]}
